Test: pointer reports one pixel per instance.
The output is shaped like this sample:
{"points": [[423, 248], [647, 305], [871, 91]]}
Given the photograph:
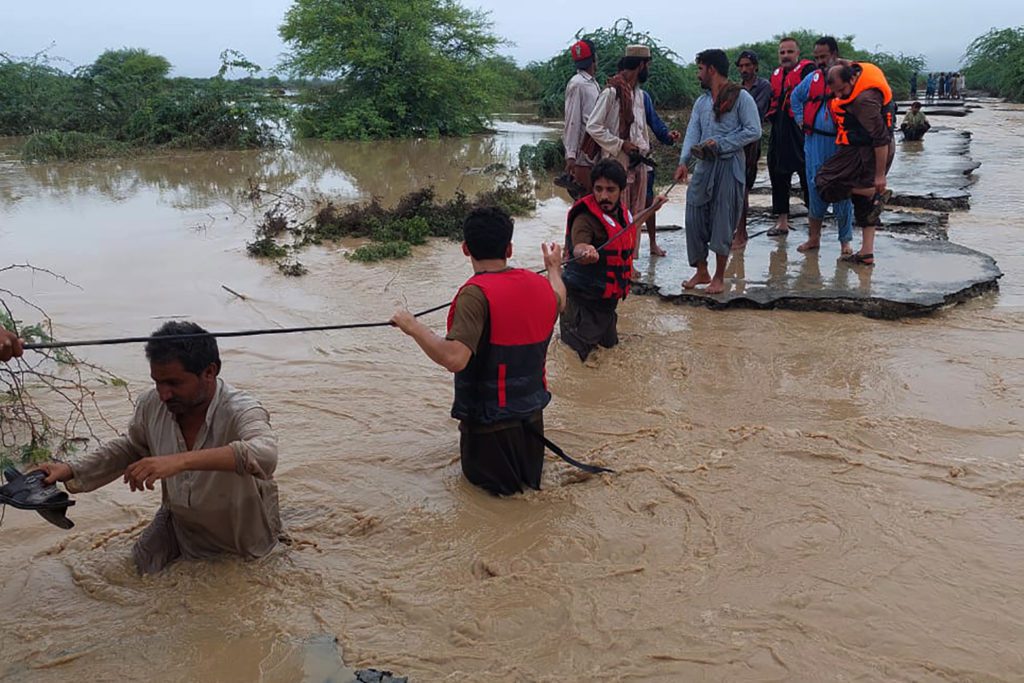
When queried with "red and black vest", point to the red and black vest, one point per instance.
{"points": [[609, 277], [817, 97], [783, 84], [505, 379]]}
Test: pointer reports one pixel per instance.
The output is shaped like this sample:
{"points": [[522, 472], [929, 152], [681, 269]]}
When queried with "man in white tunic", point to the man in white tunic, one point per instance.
{"points": [[581, 95]]}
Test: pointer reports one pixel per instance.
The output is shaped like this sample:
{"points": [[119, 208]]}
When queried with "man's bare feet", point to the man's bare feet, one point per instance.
{"points": [[701, 277], [717, 286], [657, 251], [739, 241], [847, 249], [809, 245]]}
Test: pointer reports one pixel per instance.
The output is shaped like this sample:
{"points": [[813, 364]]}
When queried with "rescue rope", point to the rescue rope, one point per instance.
{"points": [[280, 330]]}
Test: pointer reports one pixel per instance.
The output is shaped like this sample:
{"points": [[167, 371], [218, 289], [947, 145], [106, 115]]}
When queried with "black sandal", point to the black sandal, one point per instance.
{"points": [[29, 492], [858, 259], [878, 203]]}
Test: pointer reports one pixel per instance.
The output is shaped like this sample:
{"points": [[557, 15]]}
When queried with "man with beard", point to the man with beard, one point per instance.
{"points": [[810, 103], [209, 445], [723, 122], [786, 144], [600, 238], [761, 90], [864, 113], [618, 123], [581, 95]]}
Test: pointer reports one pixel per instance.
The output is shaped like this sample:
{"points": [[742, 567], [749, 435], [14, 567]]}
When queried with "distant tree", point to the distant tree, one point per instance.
{"points": [[995, 62], [397, 67], [670, 84]]}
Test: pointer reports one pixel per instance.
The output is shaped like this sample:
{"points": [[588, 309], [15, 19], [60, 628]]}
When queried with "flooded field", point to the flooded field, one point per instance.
{"points": [[799, 497]]}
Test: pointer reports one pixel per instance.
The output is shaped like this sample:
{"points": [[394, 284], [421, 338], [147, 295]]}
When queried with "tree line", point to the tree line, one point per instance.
{"points": [[387, 69]]}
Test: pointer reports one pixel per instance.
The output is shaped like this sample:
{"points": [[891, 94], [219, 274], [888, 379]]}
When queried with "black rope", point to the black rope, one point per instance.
{"points": [[279, 330]]}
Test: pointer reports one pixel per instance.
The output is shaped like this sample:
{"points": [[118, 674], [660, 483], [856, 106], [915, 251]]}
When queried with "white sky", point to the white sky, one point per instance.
{"points": [[192, 33]]}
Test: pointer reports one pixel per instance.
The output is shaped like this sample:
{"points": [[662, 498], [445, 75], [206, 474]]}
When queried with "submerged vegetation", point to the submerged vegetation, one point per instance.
{"points": [[995, 62], [289, 224], [126, 100]]}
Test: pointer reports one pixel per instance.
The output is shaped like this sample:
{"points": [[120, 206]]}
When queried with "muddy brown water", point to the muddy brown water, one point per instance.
{"points": [[800, 496]]}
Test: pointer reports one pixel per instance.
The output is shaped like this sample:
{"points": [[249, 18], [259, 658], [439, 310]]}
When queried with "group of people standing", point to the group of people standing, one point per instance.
{"points": [[944, 86], [831, 124]]}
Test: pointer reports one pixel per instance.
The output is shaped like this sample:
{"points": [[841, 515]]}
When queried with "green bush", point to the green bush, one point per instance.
{"points": [[69, 146], [995, 62], [546, 155], [670, 85], [380, 251]]}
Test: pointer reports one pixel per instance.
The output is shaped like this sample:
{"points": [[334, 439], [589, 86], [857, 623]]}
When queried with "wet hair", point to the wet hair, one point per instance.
{"points": [[843, 71], [830, 43], [716, 59], [195, 355], [748, 54], [609, 169], [789, 39], [487, 232]]}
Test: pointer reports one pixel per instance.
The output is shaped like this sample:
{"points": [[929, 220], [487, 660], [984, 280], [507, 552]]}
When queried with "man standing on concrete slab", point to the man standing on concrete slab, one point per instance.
{"points": [[786, 144], [581, 95], [810, 102], [761, 90], [618, 123], [724, 120], [864, 112]]}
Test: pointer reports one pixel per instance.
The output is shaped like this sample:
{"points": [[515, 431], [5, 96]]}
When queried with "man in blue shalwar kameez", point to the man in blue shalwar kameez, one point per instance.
{"points": [[810, 107]]}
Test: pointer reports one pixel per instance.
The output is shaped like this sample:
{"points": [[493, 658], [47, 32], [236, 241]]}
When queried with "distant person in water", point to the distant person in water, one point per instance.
{"points": [[864, 112], [761, 90], [499, 327], [724, 120], [915, 123], [10, 345]]}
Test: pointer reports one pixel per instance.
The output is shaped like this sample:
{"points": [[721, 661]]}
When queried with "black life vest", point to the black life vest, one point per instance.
{"points": [[609, 277], [505, 379], [783, 83]]}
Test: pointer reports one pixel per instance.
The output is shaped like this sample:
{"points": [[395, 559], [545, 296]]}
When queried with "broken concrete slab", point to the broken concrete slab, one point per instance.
{"points": [[934, 173], [923, 224], [911, 277]]}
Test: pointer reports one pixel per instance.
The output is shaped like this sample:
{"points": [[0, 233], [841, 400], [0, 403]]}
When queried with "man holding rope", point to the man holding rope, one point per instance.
{"points": [[209, 445], [499, 327]]}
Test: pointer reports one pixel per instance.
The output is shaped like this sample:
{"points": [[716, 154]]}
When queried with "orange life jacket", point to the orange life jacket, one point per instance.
{"points": [[783, 83], [849, 130], [609, 277]]}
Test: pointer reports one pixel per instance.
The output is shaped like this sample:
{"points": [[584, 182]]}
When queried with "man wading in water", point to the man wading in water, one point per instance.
{"points": [[209, 445], [600, 236], [499, 327]]}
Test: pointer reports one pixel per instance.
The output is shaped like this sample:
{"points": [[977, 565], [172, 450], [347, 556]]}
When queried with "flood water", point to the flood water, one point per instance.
{"points": [[799, 497]]}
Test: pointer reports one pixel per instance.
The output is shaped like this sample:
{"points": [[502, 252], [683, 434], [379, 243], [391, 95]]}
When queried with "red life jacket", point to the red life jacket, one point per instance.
{"points": [[783, 84], [505, 379], [817, 98], [609, 277]]}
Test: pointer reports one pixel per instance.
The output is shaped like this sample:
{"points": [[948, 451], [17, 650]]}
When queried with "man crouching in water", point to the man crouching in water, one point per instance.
{"points": [[600, 237], [209, 445], [499, 327]]}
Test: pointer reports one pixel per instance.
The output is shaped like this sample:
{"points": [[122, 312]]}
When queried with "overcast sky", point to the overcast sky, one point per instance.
{"points": [[192, 33]]}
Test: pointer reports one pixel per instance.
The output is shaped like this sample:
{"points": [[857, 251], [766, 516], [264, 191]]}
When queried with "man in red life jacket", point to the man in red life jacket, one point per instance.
{"points": [[499, 327], [786, 144], [600, 237], [865, 114]]}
